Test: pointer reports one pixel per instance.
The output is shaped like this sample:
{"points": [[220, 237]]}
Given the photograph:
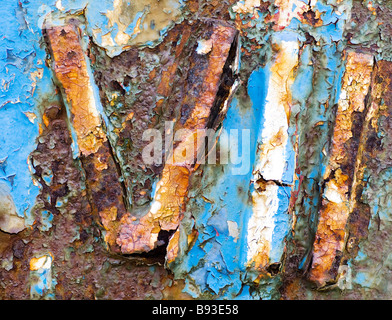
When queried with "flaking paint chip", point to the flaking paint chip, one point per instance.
{"points": [[233, 230], [204, 46]]}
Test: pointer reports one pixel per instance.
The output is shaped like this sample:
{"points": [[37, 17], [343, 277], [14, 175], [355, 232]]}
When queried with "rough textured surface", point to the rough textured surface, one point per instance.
{"points": [[297, 205], [341, 173]]}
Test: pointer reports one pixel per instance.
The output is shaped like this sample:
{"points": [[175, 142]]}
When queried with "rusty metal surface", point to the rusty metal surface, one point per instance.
{"points": [[102, 177], [83, 216], [341, 172], [196, 108]]}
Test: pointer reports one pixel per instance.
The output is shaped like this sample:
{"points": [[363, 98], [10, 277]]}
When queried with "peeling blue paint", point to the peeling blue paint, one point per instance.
{"points": [[20, 55], [46, 220], [282, 227]]}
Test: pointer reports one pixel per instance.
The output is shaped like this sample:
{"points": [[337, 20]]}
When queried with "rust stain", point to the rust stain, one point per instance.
{"points": [[203, 82], [172, 247], [168, 74], [373, 152], [71, 71], [312, 17], [142, 235], [340, 172], [261, 258]]}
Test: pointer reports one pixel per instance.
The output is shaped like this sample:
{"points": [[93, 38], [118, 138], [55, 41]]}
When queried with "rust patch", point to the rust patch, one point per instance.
{"points": [[70, 67], [373, 152], [199, 108], [335, 207]]}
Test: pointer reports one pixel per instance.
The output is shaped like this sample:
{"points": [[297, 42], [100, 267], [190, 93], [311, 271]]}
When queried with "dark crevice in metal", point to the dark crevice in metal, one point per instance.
{"points": [[263, 182], [225, 92], [158, 254], [120, 175]]}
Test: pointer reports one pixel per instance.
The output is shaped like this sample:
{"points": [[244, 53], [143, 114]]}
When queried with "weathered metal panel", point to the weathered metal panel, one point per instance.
{"points": [[292, 190], [341, 173]]}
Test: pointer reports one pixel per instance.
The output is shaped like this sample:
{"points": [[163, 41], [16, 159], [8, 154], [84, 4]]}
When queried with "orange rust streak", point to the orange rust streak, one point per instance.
{"points": [[71, 70], [356, 82], [172, 247], [172, 189], [222, 39], [380, 86], [141, 235], [335, 207], [164, 87], [171, 194]]}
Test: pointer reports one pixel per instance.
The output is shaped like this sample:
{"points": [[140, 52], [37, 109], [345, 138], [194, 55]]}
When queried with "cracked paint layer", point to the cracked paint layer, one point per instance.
{"points": [[371, 162], [274, 160], [21, 71], [340, 172], [311, 102], [101, 173], [116, 25], [172, 188]]}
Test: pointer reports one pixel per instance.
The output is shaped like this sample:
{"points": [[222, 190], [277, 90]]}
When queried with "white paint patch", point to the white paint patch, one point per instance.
{"points": [[233, 230], [271, 157], [274, 136], [204, 46], [107, 40], [59, 5], [345, 278], [153, 239], [155, 206], [44, 262], [31, 116], [246, 6], [289, 9], [261, 224], [332, 193]]}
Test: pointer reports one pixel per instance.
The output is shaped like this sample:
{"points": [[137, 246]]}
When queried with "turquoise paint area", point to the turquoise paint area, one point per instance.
{"points": [[20, 56], [25, 80], [380, 204], [42, 284], [216, 259], [46, 220], [373, 267], [217, 263], [282, 221], [302, 86]]}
